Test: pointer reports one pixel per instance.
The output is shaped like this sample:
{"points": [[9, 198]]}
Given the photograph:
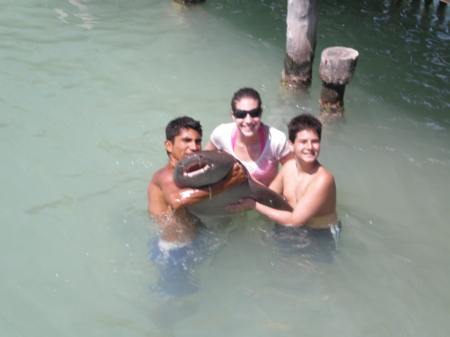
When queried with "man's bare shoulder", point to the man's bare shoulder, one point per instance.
{"points": [[162, 176], [322, 178], [288, 168], [323, 173], [157, 191]]}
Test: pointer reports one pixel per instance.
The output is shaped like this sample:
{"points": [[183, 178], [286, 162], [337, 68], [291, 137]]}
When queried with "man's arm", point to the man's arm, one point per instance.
{"points": [[174, 226], [310, 205], [276, 185], [177, 198]]}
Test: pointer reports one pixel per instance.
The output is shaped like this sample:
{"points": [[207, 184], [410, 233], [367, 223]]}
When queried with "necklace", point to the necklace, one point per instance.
{"points": [[171, 163]]}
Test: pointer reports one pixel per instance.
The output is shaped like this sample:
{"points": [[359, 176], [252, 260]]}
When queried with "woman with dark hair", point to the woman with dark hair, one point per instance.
{"points": [[259, 147]]}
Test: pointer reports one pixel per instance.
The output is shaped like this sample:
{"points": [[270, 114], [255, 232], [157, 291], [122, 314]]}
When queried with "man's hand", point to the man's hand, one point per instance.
{"points": [[236, 176], [243, 205]]}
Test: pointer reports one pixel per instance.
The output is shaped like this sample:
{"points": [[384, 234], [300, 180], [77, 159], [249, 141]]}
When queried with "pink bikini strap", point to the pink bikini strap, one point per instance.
{"points": [[262, 139], [233, 139]]}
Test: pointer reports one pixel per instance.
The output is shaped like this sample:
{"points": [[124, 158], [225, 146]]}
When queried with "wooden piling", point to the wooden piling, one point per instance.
{"points": [[337, 65], [441, 9], [300, 43]]}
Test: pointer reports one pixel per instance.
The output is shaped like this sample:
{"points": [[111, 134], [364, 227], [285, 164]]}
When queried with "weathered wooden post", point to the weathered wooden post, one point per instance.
{"points": [[440, 12], [300, 43], [337, 65]]}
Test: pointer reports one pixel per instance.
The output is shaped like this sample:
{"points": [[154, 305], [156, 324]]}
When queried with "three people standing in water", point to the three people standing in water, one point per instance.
{"points": [[308, 187]]}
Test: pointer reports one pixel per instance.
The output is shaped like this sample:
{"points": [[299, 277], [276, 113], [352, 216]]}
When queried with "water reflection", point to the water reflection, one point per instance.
{"points": [[88, 21]]}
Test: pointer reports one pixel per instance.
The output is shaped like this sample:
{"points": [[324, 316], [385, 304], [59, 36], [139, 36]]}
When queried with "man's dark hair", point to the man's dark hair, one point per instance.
{"points": [[304, 122], [175, 126], [243, 93]]}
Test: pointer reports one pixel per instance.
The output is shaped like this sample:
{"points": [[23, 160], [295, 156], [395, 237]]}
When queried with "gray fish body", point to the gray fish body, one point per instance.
{"points": [[205, 168]]}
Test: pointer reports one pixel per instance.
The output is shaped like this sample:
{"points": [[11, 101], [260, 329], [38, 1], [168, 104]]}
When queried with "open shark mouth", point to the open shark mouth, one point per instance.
{"points": [[197, 168]]}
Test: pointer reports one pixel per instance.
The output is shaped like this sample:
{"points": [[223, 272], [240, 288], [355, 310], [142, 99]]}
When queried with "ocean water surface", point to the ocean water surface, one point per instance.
{"points": [[86, 90]]}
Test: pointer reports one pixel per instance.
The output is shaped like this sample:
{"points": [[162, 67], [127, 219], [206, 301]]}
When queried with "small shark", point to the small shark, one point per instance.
{"points": [[205, 168]]}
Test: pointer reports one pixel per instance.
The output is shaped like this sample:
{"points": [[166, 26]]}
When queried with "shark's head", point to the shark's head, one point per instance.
{"points": [[202, 168]]}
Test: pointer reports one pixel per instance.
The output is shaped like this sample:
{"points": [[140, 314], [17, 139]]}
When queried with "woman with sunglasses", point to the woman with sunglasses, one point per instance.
{"points": [[258, 146]]}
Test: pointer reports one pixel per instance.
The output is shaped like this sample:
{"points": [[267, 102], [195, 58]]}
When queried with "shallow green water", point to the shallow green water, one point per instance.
{"points": [[86, 90]]}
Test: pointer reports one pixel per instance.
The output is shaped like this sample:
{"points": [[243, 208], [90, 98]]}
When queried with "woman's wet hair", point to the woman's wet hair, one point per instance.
{"points": [[245, 93], [175, 126], [304, 122]]}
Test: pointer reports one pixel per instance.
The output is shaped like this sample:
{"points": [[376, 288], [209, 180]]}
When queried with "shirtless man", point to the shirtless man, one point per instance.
{"points": [[308, 187], [166, 202]]}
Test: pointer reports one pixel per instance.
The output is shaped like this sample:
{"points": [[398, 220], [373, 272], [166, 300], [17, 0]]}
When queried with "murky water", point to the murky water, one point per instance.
{"points": [[87, 88]]}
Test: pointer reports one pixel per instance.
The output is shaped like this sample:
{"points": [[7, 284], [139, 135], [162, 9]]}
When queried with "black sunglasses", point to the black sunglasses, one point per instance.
{"points": [[243, 113]]}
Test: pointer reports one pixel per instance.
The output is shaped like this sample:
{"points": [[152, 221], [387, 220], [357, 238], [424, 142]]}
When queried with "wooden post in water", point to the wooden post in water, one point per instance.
{"points": [[337, 65], [443, 3], [300, 43], [440, 12]]}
